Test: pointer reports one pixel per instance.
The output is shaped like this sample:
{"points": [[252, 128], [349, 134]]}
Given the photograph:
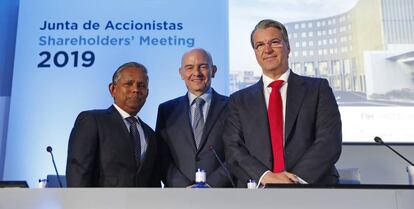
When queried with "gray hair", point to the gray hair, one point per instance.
{"points": [[268, 23], [117, 73]]}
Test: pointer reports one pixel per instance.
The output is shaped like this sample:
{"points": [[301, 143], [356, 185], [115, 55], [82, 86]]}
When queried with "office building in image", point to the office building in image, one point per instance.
{"points": [[367, 53]]}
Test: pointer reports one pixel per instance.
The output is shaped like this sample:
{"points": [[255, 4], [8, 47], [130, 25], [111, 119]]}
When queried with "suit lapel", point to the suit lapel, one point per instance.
{"points": [[182, 114], [261, 122], [216, 107], [125, 138], [119, 121], [148, 138], [295, 94]]}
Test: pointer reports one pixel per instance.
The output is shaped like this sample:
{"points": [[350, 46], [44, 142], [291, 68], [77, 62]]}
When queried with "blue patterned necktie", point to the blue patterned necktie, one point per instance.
{"points": [[198, 123], [133, 132]]}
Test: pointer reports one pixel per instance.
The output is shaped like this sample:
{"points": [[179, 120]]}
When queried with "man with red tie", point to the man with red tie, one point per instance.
{"points": [[286, 128]]}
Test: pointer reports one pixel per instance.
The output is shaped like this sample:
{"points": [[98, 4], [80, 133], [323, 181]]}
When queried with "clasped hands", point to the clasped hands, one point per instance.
{"points": [[283, 177]]}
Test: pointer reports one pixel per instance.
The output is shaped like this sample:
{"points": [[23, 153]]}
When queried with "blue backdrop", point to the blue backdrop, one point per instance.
{"points": [[66, 52]]}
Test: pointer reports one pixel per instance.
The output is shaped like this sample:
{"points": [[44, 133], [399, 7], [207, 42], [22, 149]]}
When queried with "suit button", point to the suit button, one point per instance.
{"points": [[197, 159]]}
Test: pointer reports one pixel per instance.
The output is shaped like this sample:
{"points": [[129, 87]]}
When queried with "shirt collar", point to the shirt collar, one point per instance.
{"points": [[123, 113], [267, 80], [206, 96]]}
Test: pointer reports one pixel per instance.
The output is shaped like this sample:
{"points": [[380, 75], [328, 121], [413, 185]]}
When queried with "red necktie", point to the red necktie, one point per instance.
{"points": [[275, 116]]}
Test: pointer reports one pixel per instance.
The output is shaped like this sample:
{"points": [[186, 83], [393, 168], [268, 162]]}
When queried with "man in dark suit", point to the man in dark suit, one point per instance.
{"points": [[296, 141], [113, 147], [180, 125]]}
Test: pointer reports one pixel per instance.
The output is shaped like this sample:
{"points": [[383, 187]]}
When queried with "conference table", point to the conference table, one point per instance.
{"points": [[278, 196]]}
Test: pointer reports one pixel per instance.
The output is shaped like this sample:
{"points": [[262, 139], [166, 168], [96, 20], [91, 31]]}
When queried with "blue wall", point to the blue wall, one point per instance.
{"points": [[8, 25]]}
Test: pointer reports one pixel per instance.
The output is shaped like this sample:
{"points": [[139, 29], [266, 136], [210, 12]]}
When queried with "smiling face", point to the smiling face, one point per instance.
{"points": [[197, 70], [271, 51], [130, 91]]}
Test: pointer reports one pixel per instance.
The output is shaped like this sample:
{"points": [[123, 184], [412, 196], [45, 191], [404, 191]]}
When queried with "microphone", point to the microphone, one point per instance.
{"points": [[49, 149], [379, 140], [222, 165]]}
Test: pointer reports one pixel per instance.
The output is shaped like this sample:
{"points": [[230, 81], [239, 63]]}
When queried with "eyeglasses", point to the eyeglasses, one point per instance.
{"points": [[275, 43]]}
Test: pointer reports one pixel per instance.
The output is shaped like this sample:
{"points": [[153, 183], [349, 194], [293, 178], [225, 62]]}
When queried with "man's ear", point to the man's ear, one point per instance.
{"points": [[111, 88], [180, 72], [213, 70]]}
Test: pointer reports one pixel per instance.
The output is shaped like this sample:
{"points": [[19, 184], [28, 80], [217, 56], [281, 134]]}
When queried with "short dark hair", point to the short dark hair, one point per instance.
{"points": [[117, 73], [268, 23]]}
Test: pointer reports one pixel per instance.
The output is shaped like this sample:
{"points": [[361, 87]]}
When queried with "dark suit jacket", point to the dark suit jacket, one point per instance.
{"points": [[313, 134], [180, 156], [100, 153]]}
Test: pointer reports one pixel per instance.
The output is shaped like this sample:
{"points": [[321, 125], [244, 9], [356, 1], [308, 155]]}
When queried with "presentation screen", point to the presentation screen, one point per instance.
{"points": [[67, 51], [364, 48]]}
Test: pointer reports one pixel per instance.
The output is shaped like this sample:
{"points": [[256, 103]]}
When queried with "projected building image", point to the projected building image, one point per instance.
{"points": [[366, 53]]}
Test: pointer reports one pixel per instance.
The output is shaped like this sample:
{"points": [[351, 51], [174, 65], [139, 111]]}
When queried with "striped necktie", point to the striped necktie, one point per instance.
{"points": [[133, 132], [198, 122]]}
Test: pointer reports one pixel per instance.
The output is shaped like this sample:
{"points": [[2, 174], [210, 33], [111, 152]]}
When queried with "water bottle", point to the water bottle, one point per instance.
{"points": [[200, 179], [251, 184], [42, 183]]}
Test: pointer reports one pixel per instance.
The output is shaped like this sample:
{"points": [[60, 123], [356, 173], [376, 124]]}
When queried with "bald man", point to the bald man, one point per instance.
{"points": [[190, 125]]}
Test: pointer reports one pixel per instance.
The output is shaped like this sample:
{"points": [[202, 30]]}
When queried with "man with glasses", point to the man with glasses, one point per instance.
{"points": [[286, 128]]}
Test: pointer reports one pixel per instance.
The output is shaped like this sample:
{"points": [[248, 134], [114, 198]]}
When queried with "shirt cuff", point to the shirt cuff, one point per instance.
{"points": [[261, 177]]}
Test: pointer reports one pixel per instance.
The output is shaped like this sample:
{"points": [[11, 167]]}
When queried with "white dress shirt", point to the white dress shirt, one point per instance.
{"points": [[142, 137], [283, 93], [207, 99]]}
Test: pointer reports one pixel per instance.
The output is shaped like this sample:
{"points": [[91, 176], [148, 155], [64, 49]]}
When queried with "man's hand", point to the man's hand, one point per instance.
{"points": [[279, 178]]}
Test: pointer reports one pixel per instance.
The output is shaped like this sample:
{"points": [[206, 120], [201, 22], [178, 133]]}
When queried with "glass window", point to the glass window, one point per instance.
{"points": [[309, 69], [297, 67], [323, 68], [336, 67], [303, 35], [347, 66], [296, 53]]}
